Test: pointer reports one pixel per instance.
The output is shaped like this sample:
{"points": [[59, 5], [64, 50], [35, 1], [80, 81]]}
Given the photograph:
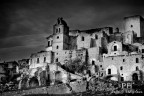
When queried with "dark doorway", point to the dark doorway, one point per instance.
{"points": [[135, 77], [33, 82]]}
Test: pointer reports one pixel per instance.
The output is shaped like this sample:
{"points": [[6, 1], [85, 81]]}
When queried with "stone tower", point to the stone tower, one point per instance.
{"points": [[60, 36], [135, 24]]}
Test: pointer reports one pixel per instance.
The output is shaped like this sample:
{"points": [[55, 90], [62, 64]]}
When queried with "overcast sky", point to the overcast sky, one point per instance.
{"points": [[24, 24]]}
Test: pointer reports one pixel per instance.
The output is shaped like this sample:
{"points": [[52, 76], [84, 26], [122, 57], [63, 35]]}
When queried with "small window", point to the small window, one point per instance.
{"points": [[121, 68], [122, 78], [131, 26], [137, 68], [142, 50], [93, 62], [100, 65], [123, 60], [136, 49], [57, 37], [115, 48], [57, 60], [96, 36], [56, 30], [82, 38], [109, 71], [59, 29], [137, 60], [37, 60], [48, 43], [44, 59], [57, 47]]}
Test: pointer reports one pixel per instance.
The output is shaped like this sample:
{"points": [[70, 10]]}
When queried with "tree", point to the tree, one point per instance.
{"points": [[76, 65]]}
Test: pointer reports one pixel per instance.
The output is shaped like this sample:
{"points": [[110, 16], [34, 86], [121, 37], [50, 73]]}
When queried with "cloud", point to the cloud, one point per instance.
{"points": [[24, 24], [26, 40], [17, 53]]}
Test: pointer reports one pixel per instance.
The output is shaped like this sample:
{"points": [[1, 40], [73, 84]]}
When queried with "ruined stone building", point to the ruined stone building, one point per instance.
{"points": [[114, 54]]}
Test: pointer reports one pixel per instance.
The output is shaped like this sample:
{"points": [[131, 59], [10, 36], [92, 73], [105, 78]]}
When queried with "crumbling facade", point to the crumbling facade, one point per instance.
{"points": [[117, 55]]}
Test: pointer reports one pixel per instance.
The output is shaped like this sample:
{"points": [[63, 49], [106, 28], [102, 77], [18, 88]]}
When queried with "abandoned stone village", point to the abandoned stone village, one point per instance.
{"points": [[72, 55]]}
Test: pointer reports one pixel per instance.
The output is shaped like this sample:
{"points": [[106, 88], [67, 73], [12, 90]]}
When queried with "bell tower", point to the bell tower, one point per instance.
{"points": [[60, 35]]}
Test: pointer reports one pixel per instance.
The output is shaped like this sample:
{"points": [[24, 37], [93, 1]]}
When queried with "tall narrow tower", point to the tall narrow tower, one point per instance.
{"points": [[135, 24], [60, 36]]}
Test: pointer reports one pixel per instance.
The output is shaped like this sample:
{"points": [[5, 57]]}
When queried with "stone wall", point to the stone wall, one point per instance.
{"points": [[57, 89], [77, 86]]}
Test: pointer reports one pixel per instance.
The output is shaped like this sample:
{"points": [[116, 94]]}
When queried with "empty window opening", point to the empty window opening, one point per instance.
{"points": [[142, 50], [121, 68], [57, 37], [96, 36], [93, 62], [122, 78], [123, 60], [137, 68], [57, 60], [115, 48], [56, 30], [137, 60], [82, 38], [44, 59], [131, 26], [48, 43], [136, 49], [57, 47], [59, 29], [109, 71], [37, 60], [100, 65]]}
